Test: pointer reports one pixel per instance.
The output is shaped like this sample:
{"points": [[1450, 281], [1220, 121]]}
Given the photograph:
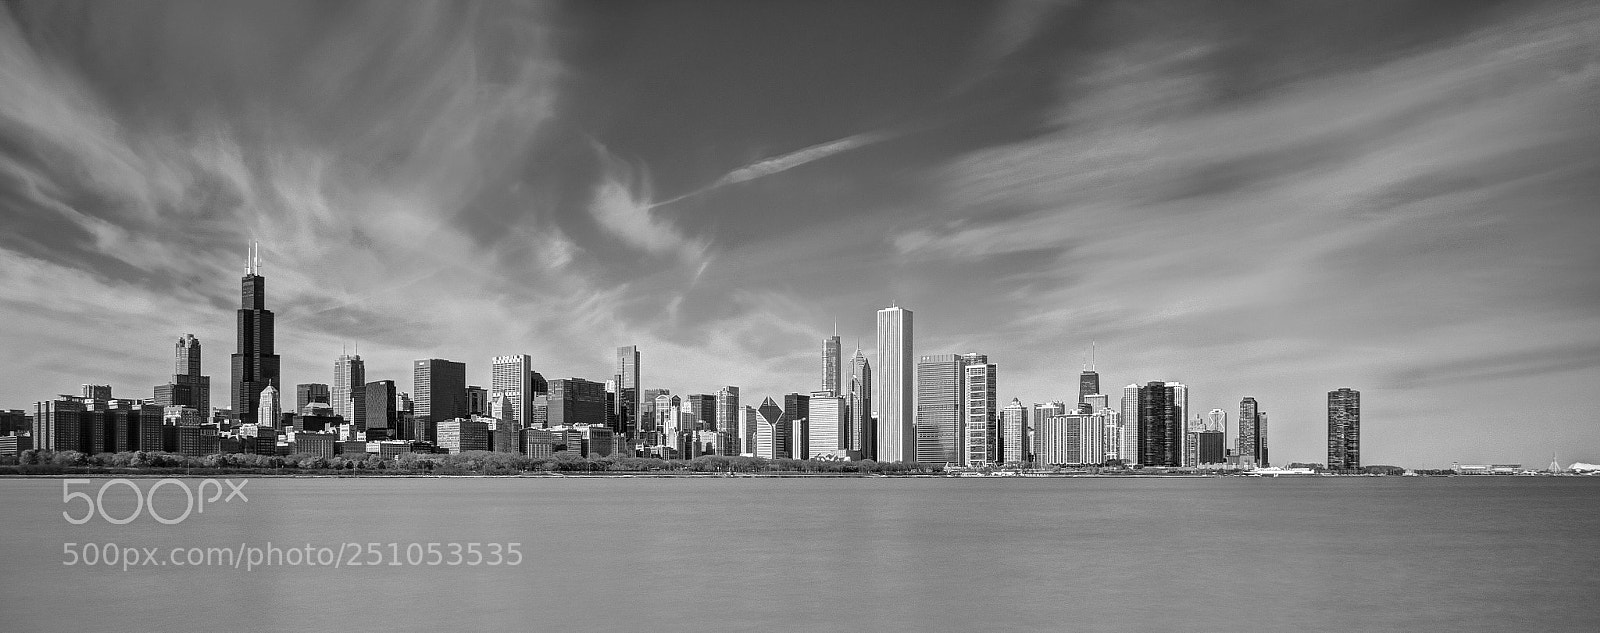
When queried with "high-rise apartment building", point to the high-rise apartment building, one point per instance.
{"points": [[940, 405], [439, 390], [981, 411], [1344, 429], [832, 358], [1252, 433], [255, 364], [188, 388], [858, 402], [1013, 433], [630, 410], [1129, 453], [892, 392], [727, 422], [1036, 419], [349, 392], [1162, 425]]}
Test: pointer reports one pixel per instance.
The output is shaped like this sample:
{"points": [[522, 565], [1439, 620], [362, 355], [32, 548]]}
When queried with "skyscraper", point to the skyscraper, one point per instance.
{"points": [[1162, 426], [382, 403], [831, 358], [1014, 433], [1252, 433], [629, 412], [349, 396], [513, 378], [270, 409], [255, 365], [863, 436], [188, 388], [576, 401], [308, 392], [940, 400], [728, 410], [893, 390], [828, 430], [797, 414], [771, 435], [1088, 384], [981, 411], [439, 388], [1344, 429], [1041, 413], [1129, 449]]}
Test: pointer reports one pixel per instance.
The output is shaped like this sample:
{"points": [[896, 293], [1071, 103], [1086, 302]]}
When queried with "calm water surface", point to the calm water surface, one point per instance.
{"points": [[1325, 554]]}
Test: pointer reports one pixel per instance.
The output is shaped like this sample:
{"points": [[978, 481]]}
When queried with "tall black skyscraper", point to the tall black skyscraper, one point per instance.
{"points": [[439, 392], [1253, 432], [254, 364], [1344, 429], [1088, 384], [188, 388], [1161, 411]]}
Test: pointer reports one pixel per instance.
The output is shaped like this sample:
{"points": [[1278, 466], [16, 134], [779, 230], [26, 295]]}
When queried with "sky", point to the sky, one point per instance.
{"points": [[1271, 201]]}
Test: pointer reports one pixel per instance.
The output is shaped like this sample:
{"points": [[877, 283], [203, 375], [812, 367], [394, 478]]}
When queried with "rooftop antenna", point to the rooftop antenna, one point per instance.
{"points": [[257, 270], [836, 327], [1092, 345]]}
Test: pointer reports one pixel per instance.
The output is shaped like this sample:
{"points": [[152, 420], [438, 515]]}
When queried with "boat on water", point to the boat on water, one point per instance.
{"points": [[1274, 471]]}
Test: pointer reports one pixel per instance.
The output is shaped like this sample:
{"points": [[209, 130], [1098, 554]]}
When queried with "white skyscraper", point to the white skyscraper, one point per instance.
{"points": [[1014, 433], [512, 378], [1129, 451], [982, 415], [829, 429], [893, 389], [271, 410], [349, 387]]}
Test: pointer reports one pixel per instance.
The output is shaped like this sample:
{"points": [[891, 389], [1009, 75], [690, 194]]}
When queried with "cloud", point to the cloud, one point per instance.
{"points": [[622, 205]]}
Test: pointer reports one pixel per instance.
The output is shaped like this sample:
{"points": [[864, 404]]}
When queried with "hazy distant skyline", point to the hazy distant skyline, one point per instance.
{"points": [[1398, 197]]}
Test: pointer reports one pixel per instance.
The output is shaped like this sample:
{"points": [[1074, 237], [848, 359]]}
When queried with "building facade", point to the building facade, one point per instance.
{"points": [[832, 359], [894, 386], [439, 389], [981, 415], [1344, 429]]}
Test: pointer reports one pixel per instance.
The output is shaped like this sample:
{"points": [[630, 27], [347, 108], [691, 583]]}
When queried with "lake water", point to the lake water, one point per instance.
{"points": [[1316, 554]]}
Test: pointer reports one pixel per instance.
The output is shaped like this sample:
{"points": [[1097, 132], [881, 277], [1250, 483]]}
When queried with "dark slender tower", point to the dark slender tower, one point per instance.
{"points": [[1344, 429], [255, 366]]}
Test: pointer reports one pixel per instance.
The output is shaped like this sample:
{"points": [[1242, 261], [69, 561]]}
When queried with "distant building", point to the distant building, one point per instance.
{"points": [[1344, 429], [575, 401], [863, 434], [828, 431], [1252, 447], [348, 392], [940, 400], [308, 392], [701, 412], [512, 377], [314, 444], [188, 387], [15, 421], [797, 414], [270, 411], [538, 443], [727, 423], [831, 363], [477, 400], [981, 411], [1036, 419], [894, 386], [629, 407], [58, 425], [772, 435], [255, 364], [382, 404], [1088, 384], [1014, 433], [440, 390], [458, 435], [198, 441], [1162, 407]]}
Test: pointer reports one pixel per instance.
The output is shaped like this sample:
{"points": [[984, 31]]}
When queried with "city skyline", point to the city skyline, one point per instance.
{"points": [[1395, 199]]}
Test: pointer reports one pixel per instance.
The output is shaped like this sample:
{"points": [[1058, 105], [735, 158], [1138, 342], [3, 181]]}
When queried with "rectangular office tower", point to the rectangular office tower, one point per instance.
{"points": [[382, 410], [308, 392], [981, 411], [629, 412], [940, 400], [188, 388], [831, 363], [1344, 429], [1252, 433], [892, 392], [439, 389], [512, 378], [576, 401], [349, 392], [255, 364]]}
